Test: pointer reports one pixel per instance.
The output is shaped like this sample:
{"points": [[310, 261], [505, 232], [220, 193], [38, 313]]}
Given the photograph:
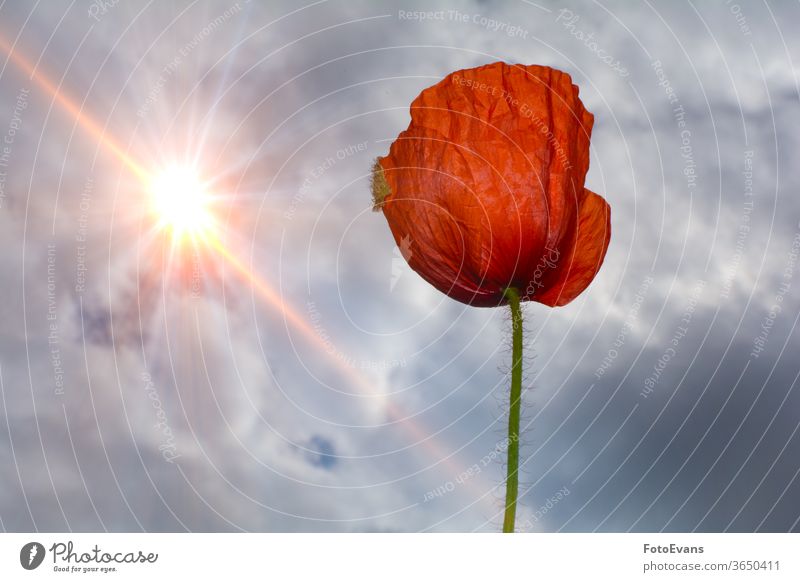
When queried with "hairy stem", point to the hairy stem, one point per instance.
{"points": [[512, 477]]}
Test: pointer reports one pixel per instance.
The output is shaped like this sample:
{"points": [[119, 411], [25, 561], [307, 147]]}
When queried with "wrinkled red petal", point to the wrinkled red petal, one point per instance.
{"points": [[578, 267], [486, 185]]}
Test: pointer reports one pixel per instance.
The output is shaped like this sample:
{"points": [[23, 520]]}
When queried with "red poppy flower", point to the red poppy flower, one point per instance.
{"points": [[486, 187]]}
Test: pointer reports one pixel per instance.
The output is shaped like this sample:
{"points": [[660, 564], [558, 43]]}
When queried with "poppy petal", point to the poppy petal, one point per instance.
{"points": [[585, 257]]}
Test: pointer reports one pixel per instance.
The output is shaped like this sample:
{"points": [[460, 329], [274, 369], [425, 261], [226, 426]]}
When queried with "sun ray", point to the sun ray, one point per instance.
{"points": [[86, 122]]}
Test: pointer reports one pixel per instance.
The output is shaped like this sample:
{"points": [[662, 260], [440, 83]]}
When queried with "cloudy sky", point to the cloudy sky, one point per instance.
{"points": [[308, 380]]}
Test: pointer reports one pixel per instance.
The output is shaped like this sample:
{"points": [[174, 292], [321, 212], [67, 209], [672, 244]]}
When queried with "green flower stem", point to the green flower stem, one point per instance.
{"points": [[512, 477]]}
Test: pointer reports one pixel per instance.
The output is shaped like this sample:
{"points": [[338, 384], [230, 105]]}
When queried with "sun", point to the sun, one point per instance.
{"points": [[181, 203]]}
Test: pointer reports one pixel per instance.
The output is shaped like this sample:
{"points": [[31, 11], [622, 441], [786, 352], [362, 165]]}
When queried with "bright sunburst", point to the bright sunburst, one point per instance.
{"points": [[181, 202]]}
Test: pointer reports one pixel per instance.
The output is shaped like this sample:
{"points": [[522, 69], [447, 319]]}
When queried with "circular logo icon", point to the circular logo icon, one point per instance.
{"points": [[31, 555]]}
